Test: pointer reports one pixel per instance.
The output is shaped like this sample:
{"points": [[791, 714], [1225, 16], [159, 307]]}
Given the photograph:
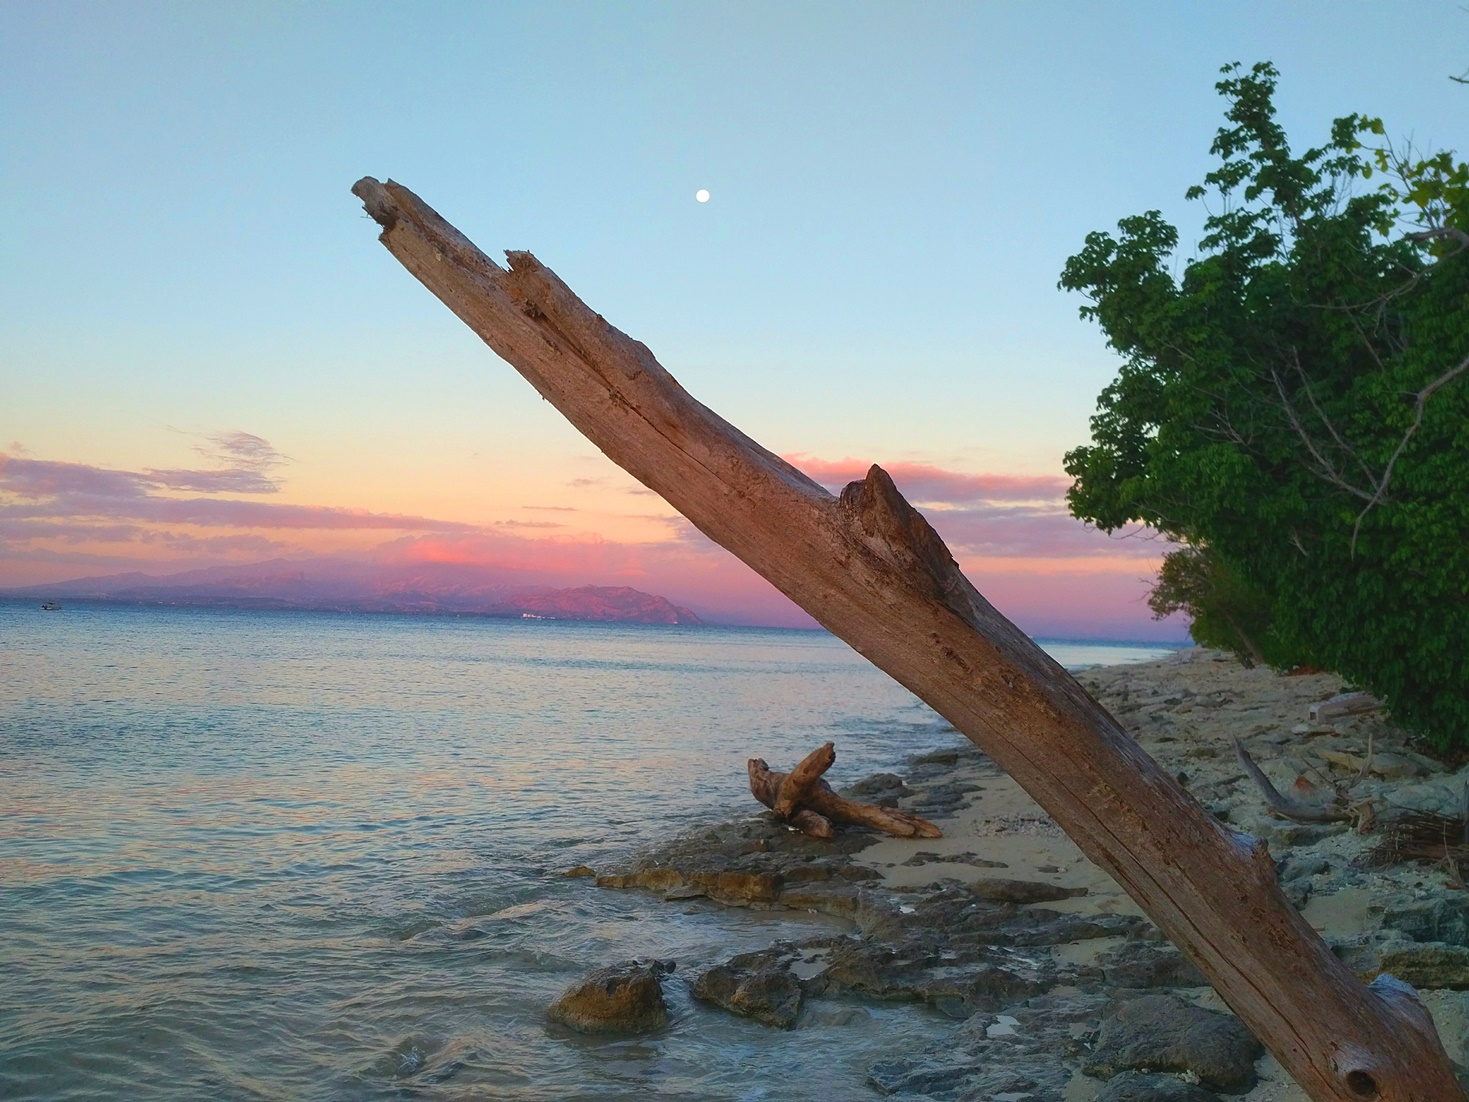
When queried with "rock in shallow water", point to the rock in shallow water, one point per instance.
{"points": [[621, 998], [1164, 1033], [1028, 1052], [1132, 1087], [754, 985]]}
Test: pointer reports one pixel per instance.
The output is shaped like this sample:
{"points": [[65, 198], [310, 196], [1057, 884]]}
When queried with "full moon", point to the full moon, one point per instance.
{"points": [[702, 195]]}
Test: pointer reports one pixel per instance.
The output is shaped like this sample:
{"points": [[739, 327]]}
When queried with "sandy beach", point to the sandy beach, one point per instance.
{"points": [[1003, 924]]}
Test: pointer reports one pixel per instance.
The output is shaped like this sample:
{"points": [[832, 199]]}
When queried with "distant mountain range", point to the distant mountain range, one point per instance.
{"points": [[347, 586]]}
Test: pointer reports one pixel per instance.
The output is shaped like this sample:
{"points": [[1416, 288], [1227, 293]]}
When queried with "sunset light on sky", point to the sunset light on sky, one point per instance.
{"points": [[839, 225]]}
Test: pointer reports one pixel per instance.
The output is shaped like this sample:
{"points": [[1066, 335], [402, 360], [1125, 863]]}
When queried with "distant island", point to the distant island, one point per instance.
{"points": [[431, 589]]}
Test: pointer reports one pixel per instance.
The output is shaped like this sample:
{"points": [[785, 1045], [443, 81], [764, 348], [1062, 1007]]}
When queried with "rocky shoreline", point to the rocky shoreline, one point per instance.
{"points": [[1061, 991]]}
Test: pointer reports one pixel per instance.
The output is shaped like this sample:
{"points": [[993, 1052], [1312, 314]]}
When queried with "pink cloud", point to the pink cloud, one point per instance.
{"points": [[36, 488], [1018, 532], [41, 478], [921, 482], [25, 477], [18, 530], [994, 515], [985, 518]]}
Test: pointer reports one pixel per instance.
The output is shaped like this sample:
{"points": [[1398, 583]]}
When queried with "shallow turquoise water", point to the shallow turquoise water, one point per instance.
{"points": [[318, 856]]}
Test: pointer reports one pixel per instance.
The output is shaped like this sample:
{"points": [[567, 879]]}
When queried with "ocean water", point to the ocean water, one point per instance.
{"points": [[267, 855]]}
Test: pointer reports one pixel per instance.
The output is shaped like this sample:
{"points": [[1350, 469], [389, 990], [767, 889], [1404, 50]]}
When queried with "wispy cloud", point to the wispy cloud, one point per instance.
{"points": [[35, 478], [924, 484], [83, 495], [992, 515], [1011, 532]]}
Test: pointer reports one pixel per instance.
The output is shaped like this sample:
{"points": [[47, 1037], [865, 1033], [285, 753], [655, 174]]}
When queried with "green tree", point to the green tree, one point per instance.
{"points": [[1293, 408], [1224, 610]]}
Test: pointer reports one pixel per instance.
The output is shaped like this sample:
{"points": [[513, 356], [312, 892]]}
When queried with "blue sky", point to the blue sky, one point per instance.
{"points": [[894, 191]]}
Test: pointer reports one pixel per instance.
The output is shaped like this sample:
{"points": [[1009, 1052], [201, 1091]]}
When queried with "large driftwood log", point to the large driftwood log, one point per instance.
{"points": [[804, 799], [870, 569]]}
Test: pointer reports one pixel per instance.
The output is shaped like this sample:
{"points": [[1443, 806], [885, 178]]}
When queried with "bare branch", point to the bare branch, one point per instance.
{"points": [[1321, 413], [1418, 405], [1323, 468], [1453, 233], [1284, 805]]}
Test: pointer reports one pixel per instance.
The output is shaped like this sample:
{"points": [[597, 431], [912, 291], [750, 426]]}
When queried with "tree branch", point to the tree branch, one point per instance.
{"points": [[1419, 403]]}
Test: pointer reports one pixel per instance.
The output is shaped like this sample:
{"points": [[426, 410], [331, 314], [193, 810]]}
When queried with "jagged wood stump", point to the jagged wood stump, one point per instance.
{"points": [[804, 800]]}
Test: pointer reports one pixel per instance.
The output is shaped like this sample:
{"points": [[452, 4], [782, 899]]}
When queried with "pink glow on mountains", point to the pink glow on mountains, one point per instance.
{"points": [[1010, 533]]}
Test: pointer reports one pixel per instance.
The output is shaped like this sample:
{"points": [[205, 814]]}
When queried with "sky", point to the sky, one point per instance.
{"points": [[206, 357]]}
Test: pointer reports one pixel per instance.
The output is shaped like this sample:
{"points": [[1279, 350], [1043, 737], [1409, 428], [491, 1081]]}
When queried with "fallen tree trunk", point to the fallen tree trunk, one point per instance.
{"points": [[804, 799], [870, 569]]}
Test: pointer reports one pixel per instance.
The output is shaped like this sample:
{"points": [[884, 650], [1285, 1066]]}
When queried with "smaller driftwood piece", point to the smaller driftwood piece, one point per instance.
{"points": [[804, 800]]}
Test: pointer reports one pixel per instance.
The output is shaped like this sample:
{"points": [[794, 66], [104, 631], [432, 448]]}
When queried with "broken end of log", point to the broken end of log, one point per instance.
{"points": [[376, 201]]}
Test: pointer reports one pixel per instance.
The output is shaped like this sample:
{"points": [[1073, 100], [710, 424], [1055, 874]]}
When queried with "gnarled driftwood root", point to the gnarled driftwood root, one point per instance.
{"points": [[804, 800]]}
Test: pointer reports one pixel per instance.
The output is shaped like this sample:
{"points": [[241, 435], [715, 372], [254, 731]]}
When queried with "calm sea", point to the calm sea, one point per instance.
{"points": [[251, 855]]}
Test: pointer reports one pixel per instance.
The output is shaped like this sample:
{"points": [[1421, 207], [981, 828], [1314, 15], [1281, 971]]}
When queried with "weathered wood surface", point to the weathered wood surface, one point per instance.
{"points": [[869, 568], [804, 799]]}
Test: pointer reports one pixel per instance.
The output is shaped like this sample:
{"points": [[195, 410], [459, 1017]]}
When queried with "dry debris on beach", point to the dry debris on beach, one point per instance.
{"points": [[1060, 988]]}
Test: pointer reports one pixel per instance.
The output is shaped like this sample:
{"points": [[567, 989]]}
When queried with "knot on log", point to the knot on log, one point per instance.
{"points": [[804, 800]]}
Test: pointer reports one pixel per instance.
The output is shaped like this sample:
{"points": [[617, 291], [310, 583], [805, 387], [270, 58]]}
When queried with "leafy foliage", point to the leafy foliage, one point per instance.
{"points": [[1294, 406], [1227, 613]]}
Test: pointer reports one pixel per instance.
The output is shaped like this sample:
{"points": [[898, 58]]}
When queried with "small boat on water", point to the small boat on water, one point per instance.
{"points": [[50, 606]]}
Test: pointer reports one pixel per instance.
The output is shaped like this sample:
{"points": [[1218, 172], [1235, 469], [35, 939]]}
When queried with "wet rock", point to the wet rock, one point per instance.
{"points": [[938, 800], [580, 870], [754, 985], [734, 887], [999, 890], [1148, 964], [1027, 1051], [1164, 1033], [956, 981], [746, 864], [621, 998], [1132, 1087], [925, 857], [883, 789], [834, 897], [944, 758], [949, 916]]}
